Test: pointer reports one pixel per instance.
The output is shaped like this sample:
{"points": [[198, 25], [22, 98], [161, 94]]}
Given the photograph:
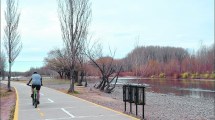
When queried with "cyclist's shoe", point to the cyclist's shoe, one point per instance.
{"points": [[38, 102], [31, 95]]}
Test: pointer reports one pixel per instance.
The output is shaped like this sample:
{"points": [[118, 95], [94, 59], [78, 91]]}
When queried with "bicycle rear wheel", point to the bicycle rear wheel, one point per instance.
{"points": [[35, 102], [35, 99]]}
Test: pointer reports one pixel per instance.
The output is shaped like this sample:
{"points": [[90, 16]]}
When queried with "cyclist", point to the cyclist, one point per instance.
{"points": [[36, 82]]}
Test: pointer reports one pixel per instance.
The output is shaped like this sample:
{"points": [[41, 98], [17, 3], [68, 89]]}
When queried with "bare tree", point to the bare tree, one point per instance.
{"points": [[2, 65], [56, 61], [213, 51], [107, 66], [74, 18], [12, 42], [180, 55]]}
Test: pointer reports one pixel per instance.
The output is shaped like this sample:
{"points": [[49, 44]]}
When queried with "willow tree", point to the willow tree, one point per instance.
{"points": [[12, 42], [74, 16]]}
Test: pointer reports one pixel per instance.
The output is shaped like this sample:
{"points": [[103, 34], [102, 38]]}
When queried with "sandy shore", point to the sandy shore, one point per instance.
{"points": [[158, 106]]}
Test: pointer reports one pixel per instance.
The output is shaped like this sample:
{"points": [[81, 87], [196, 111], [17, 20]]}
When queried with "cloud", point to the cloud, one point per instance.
{"points": [[118, 23]]}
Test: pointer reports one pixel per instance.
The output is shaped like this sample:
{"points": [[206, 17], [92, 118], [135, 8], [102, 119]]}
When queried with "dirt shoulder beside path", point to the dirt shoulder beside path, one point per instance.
{"points": [[7, 102]]}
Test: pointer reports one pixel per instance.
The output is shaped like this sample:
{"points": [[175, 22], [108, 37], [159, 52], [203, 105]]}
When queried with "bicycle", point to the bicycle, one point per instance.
{"points": [[34, 97]]}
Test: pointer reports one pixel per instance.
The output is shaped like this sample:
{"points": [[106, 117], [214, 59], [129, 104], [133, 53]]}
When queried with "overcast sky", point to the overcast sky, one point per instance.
{"points": [[120, 24]]}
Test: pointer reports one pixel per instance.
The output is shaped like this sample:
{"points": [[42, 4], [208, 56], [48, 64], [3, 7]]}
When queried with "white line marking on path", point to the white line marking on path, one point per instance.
{"points": [[68, 118], [50, 100], [72, 116], [42, 94], [94, 116]]}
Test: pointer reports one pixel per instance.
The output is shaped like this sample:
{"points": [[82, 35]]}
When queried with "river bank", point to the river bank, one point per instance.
{"points": [[158, 106]]}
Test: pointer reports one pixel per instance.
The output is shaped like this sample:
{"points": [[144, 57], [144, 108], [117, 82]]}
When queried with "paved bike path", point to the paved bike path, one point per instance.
{"points": [[55, 105]]}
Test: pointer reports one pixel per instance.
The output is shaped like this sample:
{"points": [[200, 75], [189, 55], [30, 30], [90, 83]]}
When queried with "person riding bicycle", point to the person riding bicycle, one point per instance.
{"points": [[36, 82]]}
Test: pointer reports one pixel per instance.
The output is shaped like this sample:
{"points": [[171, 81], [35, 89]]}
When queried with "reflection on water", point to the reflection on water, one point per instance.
{"points": [[192, 88]]}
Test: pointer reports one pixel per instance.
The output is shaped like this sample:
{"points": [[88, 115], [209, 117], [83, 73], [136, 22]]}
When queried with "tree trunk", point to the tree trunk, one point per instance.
{"points": [[85, 85], [100, 84], [180, 67], [67, 75], [109, 89], [214, 58], [3, 75], [72, 83], [75, 76], [103, 85], [9, 78], [61, 75], [82, 78]]}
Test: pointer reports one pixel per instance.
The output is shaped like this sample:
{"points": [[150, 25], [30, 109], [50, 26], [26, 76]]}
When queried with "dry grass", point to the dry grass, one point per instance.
{"points": [[12, 111], [4, 92], [8, 101]]}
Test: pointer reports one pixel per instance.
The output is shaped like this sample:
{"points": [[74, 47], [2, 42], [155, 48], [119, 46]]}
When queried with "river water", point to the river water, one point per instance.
{"points": [[192, 88]]}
